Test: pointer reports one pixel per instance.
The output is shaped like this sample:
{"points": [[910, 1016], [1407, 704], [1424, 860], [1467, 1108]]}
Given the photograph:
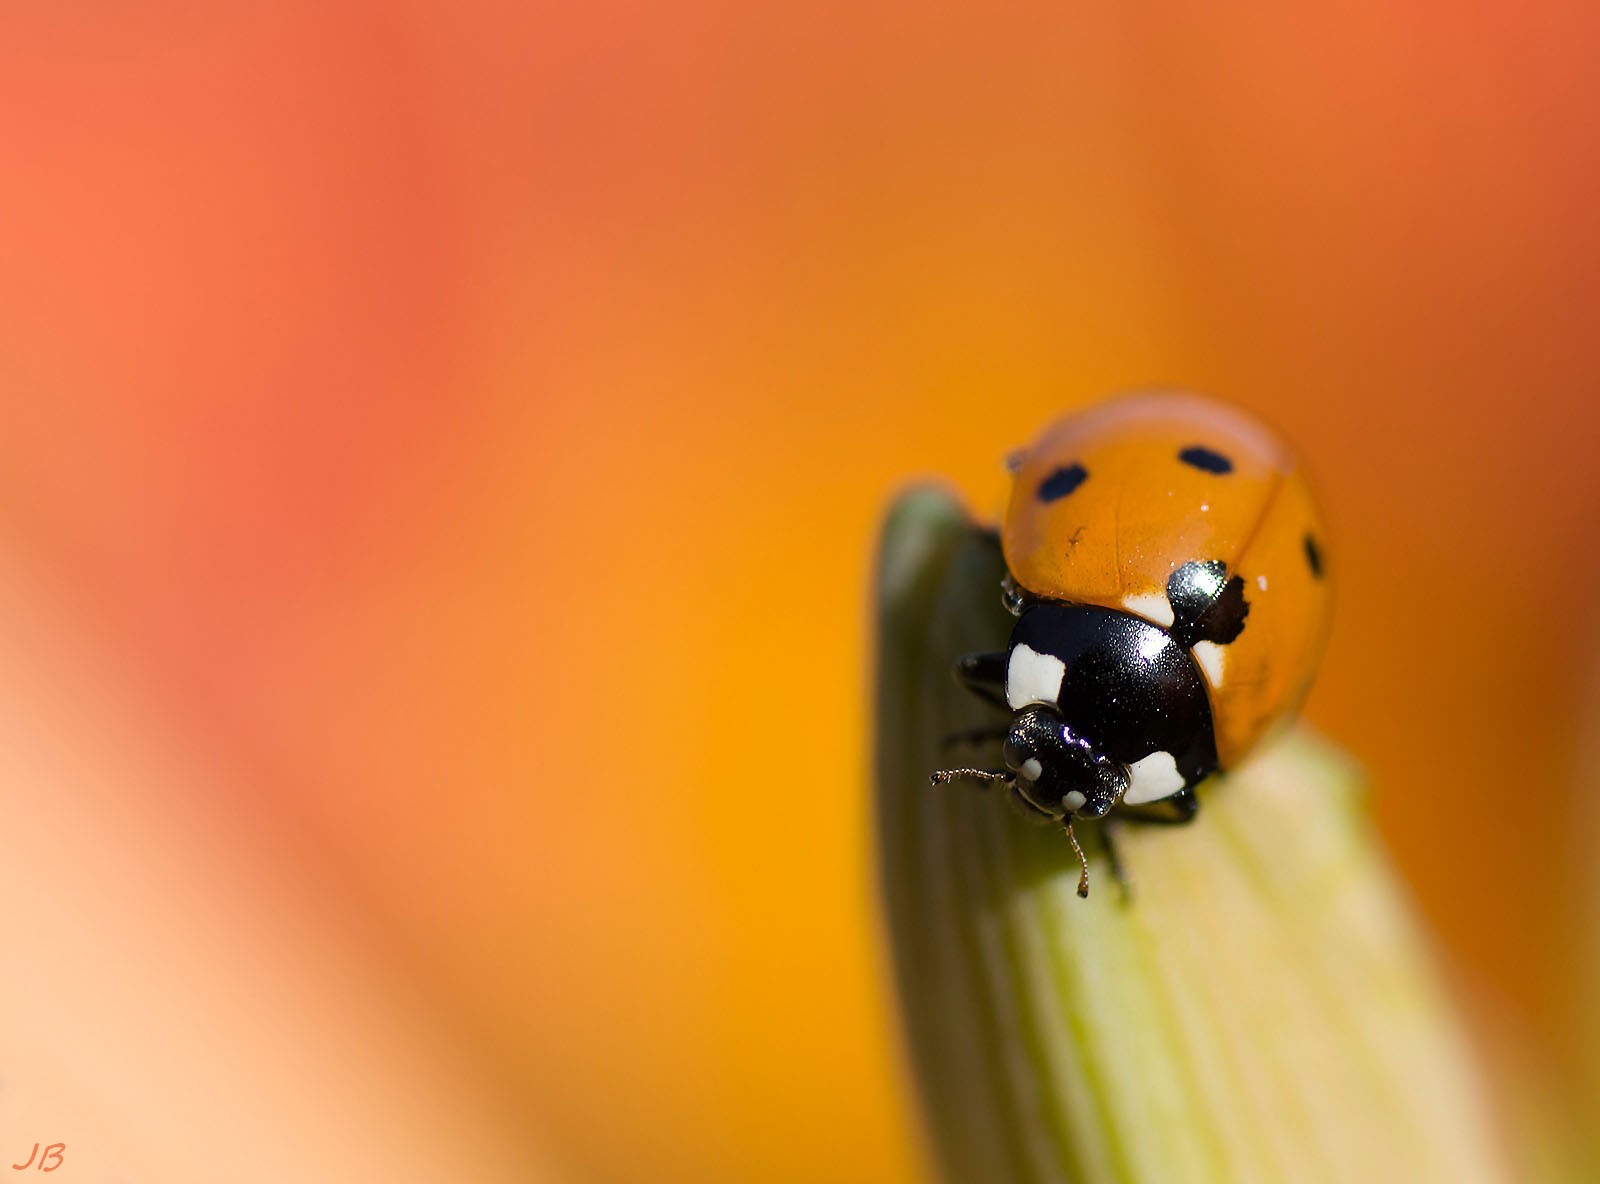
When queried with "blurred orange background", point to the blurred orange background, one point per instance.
{"points": [[442, 451]]}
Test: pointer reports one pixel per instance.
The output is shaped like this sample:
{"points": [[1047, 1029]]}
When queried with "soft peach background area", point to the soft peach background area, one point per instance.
{"points": [[441, 451]]}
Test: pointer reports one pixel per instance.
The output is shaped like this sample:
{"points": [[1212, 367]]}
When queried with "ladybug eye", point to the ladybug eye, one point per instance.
{"points": [[1205, 459], [1062, 482], [1014, 752]]}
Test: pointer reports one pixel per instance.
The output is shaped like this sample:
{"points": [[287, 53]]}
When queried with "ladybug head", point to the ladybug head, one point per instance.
{"points": [[1058, 771]]}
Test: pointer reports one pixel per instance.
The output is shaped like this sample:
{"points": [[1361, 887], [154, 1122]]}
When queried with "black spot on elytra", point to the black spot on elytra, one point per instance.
{"points": [[1062, 482], [1206, 460], [1207, 603], [1313, 556]]}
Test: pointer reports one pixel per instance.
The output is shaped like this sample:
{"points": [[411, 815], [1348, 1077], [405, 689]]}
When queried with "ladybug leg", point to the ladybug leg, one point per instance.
{"points": [[985, 676], [989, 735], [1114, 858], [1177, 810], [1030, 811]]}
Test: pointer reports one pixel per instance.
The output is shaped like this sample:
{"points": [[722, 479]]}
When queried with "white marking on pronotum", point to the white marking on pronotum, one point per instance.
{"points": [[1032, 677], [1261, 582], [1152, 778], [1152, 606], [1032, 769], [1213, 659], [1074, 799]]}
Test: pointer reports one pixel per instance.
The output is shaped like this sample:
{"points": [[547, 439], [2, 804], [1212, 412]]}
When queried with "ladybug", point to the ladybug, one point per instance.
{"points": [[1165, 564]]}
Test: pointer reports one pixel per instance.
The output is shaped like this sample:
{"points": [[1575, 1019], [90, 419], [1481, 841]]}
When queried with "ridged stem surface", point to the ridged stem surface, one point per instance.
{"points": [[1258, 1006]]}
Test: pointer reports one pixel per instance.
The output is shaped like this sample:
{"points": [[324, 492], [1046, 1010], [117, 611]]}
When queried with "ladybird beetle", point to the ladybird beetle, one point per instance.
{"points": [[1166, 566]]}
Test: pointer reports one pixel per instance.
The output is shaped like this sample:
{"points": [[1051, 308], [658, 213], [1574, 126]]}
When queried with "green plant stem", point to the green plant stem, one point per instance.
{"points": [[1257, 1006]]}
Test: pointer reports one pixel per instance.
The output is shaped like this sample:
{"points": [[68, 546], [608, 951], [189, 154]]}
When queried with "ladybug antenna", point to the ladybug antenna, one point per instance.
{"points": [[991, 776], [1083, 864]]}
